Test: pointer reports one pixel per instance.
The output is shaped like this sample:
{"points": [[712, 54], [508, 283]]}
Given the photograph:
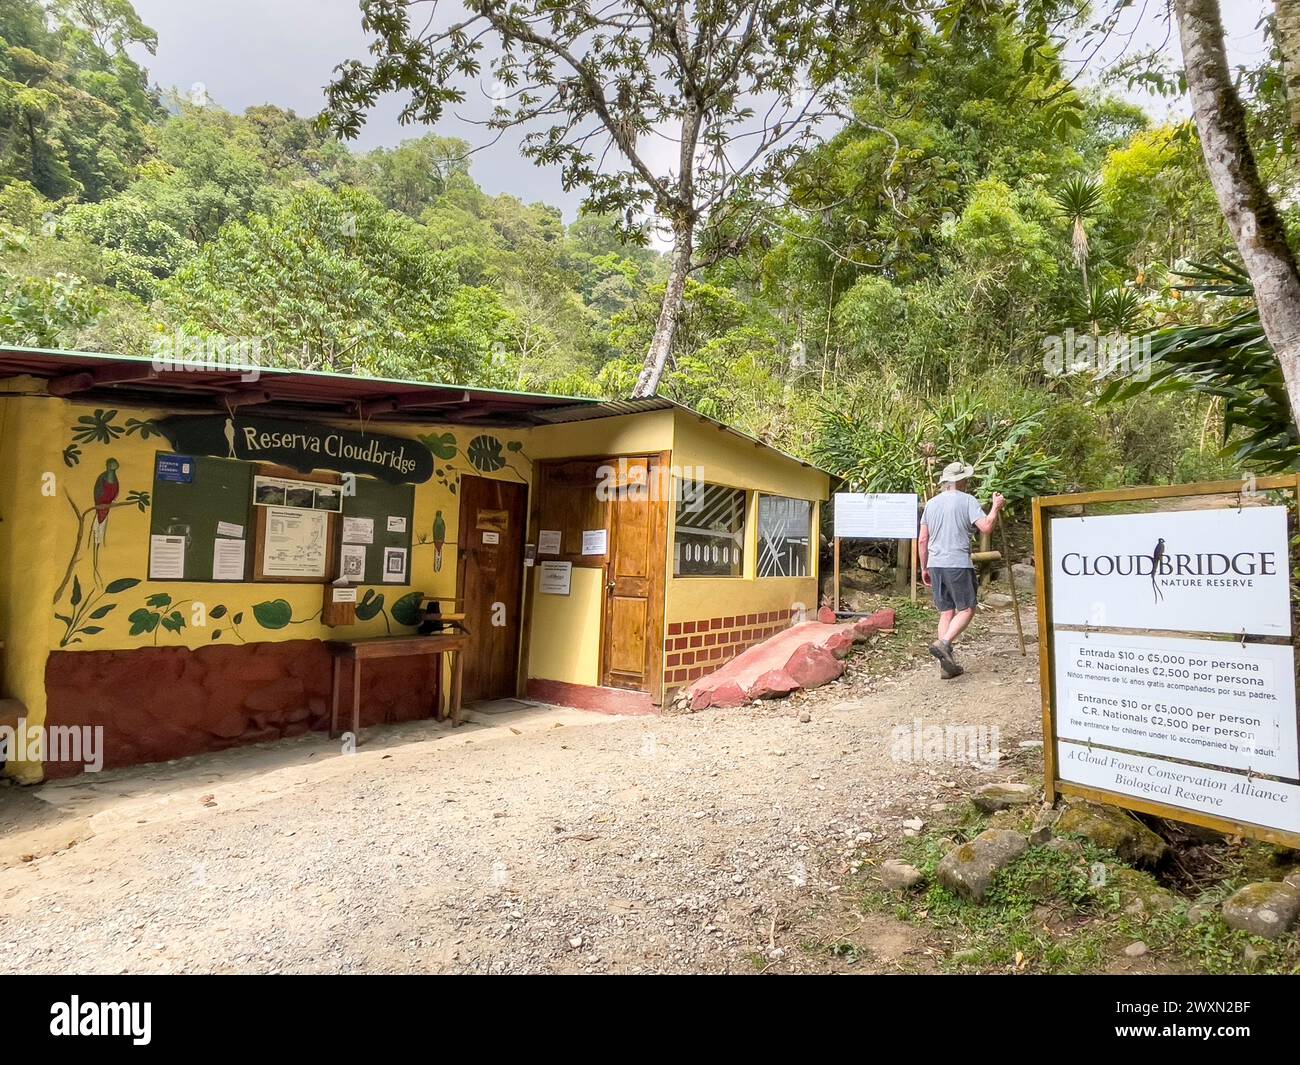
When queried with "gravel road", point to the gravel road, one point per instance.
{"points": [[540, 841]]}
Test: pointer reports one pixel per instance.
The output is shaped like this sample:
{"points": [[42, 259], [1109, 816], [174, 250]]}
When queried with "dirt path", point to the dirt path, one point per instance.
{"points": [[549, 841]]}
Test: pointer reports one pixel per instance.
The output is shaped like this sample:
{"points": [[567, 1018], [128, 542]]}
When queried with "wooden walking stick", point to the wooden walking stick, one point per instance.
{"points": [[1011, 577]]}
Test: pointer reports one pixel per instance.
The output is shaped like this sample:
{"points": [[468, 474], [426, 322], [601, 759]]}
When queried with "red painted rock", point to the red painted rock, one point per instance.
{"points": [[773, 684], [826, 616], [813, 666], [728, 694], [840, 643], [701, 698]]}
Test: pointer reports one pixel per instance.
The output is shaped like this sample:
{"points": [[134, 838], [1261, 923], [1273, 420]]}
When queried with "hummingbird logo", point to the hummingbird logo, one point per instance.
{"points": [[1156, 556]]}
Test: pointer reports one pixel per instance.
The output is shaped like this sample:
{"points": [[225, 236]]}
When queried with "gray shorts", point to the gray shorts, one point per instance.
{"points": [[953, 588]]}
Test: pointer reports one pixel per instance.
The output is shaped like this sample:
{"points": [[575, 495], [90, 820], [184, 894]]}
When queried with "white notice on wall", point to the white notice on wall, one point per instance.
{"points": [[396, 523], [394, 565], [166, 558], [1211, 791], [876, 515], [553, 578], [594, 541], [1193, 570], [1211, 701], [227, 559], [343, 595], [491, 538], [296, 542], [358, 530], [229, 528], [548, 542], [352, 562]]}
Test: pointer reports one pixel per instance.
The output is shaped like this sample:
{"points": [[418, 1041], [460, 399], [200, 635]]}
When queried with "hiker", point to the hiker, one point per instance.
{"points": [[947, 523]]}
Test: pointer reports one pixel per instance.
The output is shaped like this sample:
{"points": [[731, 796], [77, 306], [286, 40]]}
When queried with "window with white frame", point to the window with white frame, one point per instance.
{"points": [[784, 537], [709, 540]]}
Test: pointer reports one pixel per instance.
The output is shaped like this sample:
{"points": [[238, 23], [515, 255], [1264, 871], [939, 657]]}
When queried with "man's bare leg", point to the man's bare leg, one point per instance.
{"points": [[957, 623], [945, 619]]}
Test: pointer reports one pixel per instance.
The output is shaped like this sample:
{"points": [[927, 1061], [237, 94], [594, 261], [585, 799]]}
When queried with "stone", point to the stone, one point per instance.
{"points": [[1265, 909], [773, 684], [812, 666], [997, 600], [1292, 880], [993, 797], [826, 616], [1135, 950], [1044, 823], [969, 870], [1113, 829], [872, 564], [804, 717], [914, 823], [899, 876]]}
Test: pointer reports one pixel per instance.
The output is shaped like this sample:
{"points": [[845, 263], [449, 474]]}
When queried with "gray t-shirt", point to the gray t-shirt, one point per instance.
{"points": [[950, 517]]}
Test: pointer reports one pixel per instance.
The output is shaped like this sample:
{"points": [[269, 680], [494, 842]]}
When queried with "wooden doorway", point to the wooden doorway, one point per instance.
{"points": [[635, 573], [489, 579]]}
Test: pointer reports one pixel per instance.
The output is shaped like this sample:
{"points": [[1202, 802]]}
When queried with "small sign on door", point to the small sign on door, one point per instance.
{"points": [[491, 538], [554, 577]]}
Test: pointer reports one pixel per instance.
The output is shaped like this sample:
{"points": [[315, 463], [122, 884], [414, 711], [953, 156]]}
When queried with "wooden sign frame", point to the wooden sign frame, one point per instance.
{"points": [[1052, 784]]}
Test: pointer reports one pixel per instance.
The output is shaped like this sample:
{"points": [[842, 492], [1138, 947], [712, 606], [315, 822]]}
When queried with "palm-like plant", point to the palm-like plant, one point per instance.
{"points": [[1230, 360], [1079, 198]]}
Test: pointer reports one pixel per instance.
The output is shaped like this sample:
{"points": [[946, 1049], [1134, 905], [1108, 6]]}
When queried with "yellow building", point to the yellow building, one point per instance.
{"points": [[184, 549]]}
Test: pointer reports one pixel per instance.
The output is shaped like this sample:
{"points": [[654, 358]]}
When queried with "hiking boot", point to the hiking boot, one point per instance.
{"points": [[949, 671], [942, 650]]}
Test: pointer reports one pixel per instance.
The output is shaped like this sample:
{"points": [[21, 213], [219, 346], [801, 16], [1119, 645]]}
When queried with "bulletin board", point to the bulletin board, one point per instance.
{"points": [[378, 501], [219, 492], [273, 525]]}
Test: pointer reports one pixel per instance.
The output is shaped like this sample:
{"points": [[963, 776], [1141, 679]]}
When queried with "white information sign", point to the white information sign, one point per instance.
{"points": [[227, 559], [1194, 571], [548, 542], [358, 530], [553, 578], [296, 542], [1211, 701], [166, 558], [594, 541], [881, 515], [1235, 796]]}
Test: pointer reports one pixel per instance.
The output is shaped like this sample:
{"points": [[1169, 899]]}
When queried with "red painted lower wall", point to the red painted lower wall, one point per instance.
{"points": [[156, 703]]}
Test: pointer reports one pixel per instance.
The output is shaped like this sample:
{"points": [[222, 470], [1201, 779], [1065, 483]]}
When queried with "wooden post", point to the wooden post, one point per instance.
{"points": [[835, 602], [1011, 578], [914, 571]]}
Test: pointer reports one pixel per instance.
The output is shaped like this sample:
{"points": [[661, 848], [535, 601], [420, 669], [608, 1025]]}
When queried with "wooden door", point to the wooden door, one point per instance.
{"points": [[489, 579], [635, 568]]}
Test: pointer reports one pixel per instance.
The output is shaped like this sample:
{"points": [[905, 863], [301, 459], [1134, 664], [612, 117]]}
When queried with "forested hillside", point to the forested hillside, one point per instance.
{"points": [[897, 306]]}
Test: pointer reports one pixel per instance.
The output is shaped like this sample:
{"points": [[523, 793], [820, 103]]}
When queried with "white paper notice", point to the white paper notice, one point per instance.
{"points": [[877, 515], [548, 542], [594, 541], [227, 560], [229, 528], [352, 562], [166, 558], [344, 595], [394, 565], [358, 530], [295, 543], [396, 523], [491, 538], [553, 578]]}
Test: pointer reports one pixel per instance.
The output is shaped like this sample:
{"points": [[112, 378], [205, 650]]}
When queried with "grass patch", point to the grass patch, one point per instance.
{"points": [[1070, 907]]}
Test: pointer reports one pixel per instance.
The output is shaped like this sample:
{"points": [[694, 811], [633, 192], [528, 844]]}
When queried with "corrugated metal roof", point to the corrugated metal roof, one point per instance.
{"points": [[99, 377]]}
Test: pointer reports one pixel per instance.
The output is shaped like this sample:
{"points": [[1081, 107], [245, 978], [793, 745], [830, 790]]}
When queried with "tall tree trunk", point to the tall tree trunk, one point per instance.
{"points": [[647, 384], [1287, 25], [1251, 215]]}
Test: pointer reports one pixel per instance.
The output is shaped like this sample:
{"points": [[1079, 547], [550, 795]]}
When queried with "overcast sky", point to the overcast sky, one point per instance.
{"points": [[247, 52]]}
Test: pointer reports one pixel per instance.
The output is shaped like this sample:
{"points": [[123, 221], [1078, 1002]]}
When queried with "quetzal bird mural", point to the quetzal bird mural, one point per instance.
{"points": [[439, 538], [107, 487]]}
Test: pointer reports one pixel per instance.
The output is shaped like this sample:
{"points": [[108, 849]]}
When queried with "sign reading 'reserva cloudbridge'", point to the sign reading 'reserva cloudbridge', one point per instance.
{"points": [[1221, 571], [302, 446]]}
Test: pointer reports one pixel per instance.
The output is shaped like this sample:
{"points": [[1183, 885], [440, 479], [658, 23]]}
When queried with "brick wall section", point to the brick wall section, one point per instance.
{"points": [[695, 648]]}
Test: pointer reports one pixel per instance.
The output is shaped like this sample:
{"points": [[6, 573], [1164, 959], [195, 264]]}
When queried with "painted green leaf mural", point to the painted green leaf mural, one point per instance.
{"points": [[143, 621], [370, 605], [121, 585], [273, 614], [406, 611], [443, 445], [484, 453]]}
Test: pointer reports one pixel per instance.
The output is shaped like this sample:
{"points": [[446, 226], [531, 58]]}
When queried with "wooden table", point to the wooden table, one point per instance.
{"points": [[377, 647]]}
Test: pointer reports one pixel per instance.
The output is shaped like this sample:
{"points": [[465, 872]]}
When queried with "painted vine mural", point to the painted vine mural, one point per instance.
{"points": [[86, 606]]}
